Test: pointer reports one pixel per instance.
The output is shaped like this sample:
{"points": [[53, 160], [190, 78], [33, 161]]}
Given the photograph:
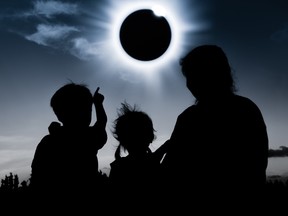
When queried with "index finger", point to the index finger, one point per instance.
{"points": [[97, 89]]}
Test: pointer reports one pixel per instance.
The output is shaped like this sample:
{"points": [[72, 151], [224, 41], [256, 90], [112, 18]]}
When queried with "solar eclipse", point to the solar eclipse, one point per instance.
{"points": [[144, 35]]}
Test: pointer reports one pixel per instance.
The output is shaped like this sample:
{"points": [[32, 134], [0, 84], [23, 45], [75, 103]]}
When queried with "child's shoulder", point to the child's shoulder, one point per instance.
{"points": [[45, 142], [46, 139]]}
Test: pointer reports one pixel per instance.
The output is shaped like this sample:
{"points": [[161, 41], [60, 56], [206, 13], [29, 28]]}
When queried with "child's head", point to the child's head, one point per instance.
{"points": [[133, 129], [72, 105]]}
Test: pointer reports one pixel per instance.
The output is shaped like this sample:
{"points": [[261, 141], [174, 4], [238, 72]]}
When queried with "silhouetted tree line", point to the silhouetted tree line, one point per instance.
{"points": [[11, 189], [14, 193], [10, 184]]}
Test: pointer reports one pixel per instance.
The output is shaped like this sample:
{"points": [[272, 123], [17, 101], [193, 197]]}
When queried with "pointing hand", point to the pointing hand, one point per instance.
{"points": [[98, 97]]}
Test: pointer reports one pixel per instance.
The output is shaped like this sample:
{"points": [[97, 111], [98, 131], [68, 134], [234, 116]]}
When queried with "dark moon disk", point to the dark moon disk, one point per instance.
{"points": [[145, 36]]}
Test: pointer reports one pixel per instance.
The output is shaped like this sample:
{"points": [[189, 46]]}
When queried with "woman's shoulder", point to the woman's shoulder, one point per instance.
{"points": [[45, 141], [244, 101], [191, 110]]}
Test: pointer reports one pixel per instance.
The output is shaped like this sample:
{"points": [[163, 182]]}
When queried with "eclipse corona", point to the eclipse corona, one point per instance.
{"points": [[144, 35]]}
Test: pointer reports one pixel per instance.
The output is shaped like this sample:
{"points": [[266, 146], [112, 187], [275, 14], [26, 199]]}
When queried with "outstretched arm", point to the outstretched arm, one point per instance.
{"points": [[100, 111], [100, 124], [161, 151]]}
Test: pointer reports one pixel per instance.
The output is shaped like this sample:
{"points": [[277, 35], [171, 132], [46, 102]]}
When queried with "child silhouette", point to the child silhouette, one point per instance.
{"points": [[69, 152], [137, 171]]}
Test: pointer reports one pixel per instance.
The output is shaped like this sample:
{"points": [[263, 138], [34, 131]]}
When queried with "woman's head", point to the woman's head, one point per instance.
{"points": [[207, 72]]}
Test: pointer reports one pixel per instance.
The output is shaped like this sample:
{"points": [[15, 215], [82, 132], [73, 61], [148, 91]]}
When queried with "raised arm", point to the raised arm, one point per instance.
{"points": [[100, 125], [161, 151], [100, 111]]}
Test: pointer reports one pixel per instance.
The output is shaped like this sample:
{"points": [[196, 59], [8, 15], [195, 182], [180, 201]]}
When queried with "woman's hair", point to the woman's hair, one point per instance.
{"points": [[132, 124], [207, 66]]}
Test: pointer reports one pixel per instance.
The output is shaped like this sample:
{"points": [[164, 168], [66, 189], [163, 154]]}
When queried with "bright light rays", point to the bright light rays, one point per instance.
{"points": [[116, 12], [159, 11]]}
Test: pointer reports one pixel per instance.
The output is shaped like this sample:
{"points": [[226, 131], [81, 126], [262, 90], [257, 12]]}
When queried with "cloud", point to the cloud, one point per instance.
{"points": [[15, 161], [47, 35], [60, 36], [50, 8], [83, 49], [14, 142], [282, 152], [16, 155], [57, 35], [14, 139], [54, 32]]}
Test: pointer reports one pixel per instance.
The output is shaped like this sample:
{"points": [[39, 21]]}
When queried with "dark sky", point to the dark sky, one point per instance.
{"points": [[45, 44]]}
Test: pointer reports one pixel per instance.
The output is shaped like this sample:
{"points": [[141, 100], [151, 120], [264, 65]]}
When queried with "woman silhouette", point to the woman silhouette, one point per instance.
{"points": [[219, 145]]}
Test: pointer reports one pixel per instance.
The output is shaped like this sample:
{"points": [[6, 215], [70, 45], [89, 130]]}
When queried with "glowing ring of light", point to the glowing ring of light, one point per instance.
{"points": [[121, 12]]}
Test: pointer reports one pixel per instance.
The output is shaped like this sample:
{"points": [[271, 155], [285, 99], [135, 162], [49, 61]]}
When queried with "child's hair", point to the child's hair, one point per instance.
{"points": [[134, 125], [69, 98]]}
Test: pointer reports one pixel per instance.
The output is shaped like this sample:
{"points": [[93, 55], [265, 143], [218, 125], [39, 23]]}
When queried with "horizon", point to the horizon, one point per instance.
{"points": [[272, 170]]}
